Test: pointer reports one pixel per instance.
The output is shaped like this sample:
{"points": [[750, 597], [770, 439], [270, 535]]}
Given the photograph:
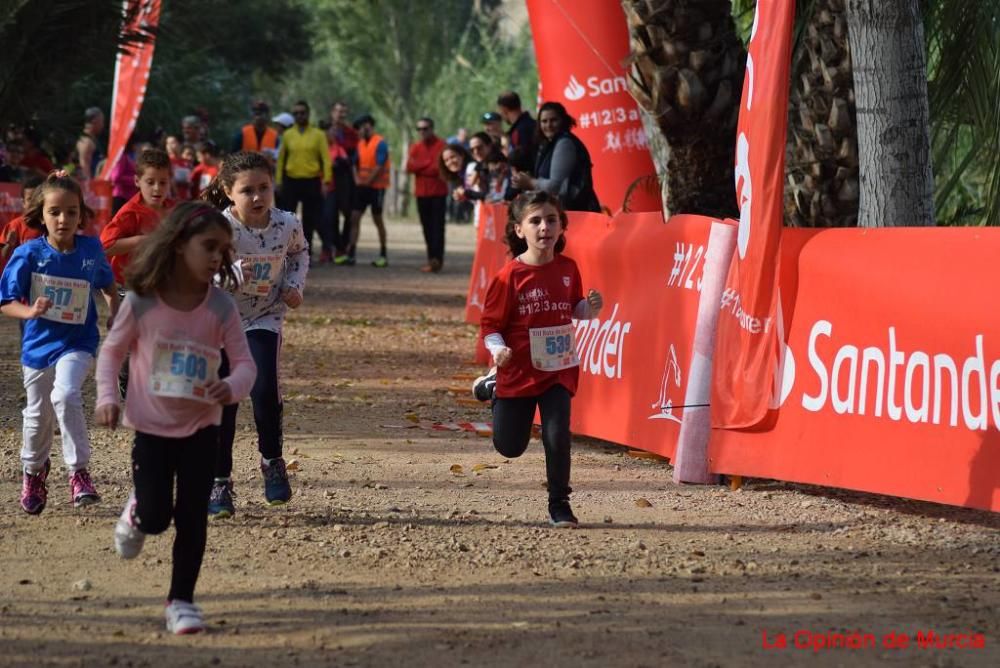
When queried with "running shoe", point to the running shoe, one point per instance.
{"points": [[220, 503], [128, 537], [34, 493], [183, 618], [484, 387], [277, 491], [82, 490], [561, 515], [381, 262], [341, 259]]}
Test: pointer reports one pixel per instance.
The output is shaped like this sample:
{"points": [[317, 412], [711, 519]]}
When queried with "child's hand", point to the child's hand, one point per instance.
{"points": [[107, 415], [596, 301], [220, 392], [41, 305], [246, 266], [502, 356], [292, 297], [458, 194]]}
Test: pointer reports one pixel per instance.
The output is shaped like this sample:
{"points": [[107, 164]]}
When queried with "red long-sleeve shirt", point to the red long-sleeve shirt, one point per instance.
{"points": [[423, 162]]}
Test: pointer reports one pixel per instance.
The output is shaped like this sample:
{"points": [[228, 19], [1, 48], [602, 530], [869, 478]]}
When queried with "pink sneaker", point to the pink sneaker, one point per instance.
{"points": [[34, 493], [82, 490]]}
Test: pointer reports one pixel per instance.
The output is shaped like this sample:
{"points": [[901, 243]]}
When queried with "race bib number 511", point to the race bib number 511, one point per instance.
{"points": [[183, 370], [553, 348], [70, 297]]}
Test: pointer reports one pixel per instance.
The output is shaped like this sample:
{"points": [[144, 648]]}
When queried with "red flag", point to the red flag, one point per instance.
{"points": [[580, 46], [746, 346], [131, 76]]}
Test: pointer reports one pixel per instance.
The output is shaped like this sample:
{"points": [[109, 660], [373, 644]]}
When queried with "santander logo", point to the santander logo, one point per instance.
{"points": [[574, 91]]}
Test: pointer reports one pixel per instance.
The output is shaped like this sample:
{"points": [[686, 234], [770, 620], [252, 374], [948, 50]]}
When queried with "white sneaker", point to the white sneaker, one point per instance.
{"points": [[183, 618], [128, 538]]}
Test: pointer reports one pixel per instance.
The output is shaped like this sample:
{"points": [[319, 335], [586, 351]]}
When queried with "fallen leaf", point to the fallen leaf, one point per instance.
{"points": [[457, 469], [483, 467], [293, 465], [643, 503]]}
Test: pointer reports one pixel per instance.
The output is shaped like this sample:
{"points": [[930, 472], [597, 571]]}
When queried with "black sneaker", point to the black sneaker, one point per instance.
{"points": [[484, 387], [277, 491], [561, 515]]}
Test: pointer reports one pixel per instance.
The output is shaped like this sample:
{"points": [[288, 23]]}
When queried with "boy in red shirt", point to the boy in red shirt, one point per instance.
{"points": [[207, 169], [16, 232], [141, 214]]}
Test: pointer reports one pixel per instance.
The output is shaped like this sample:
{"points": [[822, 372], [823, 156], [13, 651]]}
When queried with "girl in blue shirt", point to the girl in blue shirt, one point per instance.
{"points": [[48, 284]]}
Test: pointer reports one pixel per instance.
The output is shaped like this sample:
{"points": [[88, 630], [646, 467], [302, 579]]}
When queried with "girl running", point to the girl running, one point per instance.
{"points": [[527, 327], [48, 284], [173, 323], [273, 261]]}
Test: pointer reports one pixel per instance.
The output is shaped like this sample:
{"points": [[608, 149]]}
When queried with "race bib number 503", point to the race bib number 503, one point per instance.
{"points": [[183, 369], [70, 297]]}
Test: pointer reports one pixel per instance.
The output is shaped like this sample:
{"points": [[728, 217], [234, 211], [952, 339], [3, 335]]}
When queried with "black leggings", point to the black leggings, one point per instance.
{"points": [[266, 398], [431, 211], [156, 462], [512, 419]]}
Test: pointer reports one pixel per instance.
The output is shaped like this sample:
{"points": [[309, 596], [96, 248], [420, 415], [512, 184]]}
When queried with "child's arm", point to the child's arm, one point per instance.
{"points": [[236, 386], [296, 267], [111, 297], [124, 331], [121, 235], [494, 320], [589, 307], [26, 311]]}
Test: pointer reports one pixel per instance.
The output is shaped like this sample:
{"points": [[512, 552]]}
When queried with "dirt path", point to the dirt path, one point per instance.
{"points": [[386, 556]]}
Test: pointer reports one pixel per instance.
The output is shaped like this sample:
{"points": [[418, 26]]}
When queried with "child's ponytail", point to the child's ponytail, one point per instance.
{"points": [[232, 165]]}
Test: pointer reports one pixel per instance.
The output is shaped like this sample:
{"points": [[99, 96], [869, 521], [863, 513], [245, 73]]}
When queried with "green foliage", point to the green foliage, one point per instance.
{"points": [[58, 58], [400, 60]]}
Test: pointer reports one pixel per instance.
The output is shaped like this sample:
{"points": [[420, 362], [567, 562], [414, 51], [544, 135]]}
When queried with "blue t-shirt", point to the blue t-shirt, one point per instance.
{"points": [[45, 341]]}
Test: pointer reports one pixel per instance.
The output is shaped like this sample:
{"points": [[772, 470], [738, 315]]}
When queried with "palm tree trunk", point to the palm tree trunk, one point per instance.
{"points": [[890, 84], [687, 73]]}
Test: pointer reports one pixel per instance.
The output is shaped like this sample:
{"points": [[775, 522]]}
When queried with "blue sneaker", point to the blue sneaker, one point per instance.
{"points": [[277, 491], [220, 503]]}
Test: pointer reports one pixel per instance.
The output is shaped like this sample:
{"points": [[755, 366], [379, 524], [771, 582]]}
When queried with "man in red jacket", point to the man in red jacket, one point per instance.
{"points": [[431, 191]]}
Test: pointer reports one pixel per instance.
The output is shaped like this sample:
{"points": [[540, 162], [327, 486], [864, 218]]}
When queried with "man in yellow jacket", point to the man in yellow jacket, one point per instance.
{"points": [[303, 171]]}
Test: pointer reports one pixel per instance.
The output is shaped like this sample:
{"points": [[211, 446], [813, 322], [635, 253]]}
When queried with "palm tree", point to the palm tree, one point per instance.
{"points": [[687, 68]]}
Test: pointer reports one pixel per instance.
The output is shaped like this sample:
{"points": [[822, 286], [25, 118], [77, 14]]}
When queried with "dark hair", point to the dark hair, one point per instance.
{"points": [[156, 158], [208, 146], [428, 120], [233, 165], [55, 181], [567, 121], [362, 119], [521, 160], [495, 155], [509, 100], [92, 114], [448, 176], [31, 183], [483, 137], [520, 206], [302, 103], [154, 262]]}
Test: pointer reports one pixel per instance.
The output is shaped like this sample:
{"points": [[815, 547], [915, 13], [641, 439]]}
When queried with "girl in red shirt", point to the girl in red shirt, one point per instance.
{"points": [[527, 327]]}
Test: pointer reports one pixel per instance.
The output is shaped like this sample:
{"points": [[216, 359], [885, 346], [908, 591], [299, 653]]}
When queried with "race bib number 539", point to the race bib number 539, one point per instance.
{"points": [[70, 297], [553, 348], [183, 370]]}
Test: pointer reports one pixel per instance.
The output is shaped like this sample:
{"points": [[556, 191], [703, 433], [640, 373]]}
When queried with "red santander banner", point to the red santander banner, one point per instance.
{"points": [[890, 380], [746, 348], [580, 46], [131, 76]]}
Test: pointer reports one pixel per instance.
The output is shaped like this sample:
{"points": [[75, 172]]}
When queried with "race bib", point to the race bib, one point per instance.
{"points": [[553, 348], [183, 369], [70, 297], [262, 273]]}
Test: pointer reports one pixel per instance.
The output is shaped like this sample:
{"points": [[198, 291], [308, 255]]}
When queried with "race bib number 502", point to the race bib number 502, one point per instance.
{"points": [[262, 272]]}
